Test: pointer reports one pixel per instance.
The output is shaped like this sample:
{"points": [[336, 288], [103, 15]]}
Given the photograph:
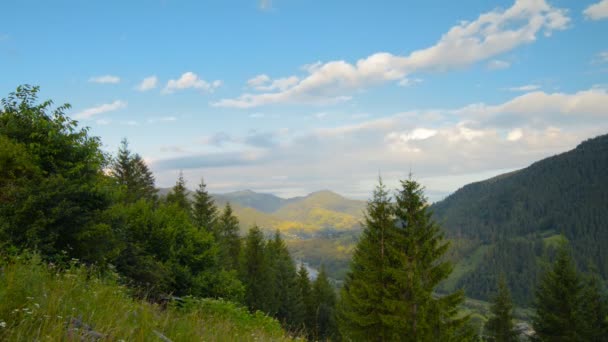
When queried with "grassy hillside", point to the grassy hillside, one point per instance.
{"points": [[37, 302]]}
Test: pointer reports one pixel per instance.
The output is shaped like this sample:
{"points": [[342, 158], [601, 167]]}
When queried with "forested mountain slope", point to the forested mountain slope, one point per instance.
{"points": [[509, 223]]}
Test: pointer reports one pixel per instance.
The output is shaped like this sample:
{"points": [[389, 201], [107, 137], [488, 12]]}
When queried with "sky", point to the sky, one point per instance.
{"points": [[290, 97]]}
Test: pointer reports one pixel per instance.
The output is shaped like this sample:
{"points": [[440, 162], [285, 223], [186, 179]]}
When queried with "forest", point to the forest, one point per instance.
{"points": [[91, 227]]}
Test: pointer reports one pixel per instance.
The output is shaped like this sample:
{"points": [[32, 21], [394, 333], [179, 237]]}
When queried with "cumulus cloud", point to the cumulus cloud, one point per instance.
{"points": [[104, 108], [105, 79], [597, 11], [190, 80], [491, 34], [148, 83], [468, 143]]}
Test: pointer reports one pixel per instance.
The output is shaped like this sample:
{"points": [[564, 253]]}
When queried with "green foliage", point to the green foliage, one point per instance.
{"points": [[40, 302], [227, 234], [305, 293], [397, 265], [204, 211], [53, 191], [567, 308], [324, 307], [285, 302], [500, 325], [524, 210], [178, 195], [255, 272], [133, 175]]}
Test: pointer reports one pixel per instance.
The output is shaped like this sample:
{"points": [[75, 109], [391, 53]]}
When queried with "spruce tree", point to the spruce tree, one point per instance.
{"points": [[130, 171], [324, 305], [500, 325], [255, 271], [417, 265], [398, 263], [287, 305], [204, 211], [361, 307], [595, 308], [305, 293], [227, 235], [559, 314], [179, 195]]}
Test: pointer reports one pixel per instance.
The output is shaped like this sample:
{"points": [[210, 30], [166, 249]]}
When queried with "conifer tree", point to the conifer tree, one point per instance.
{"points": [[286, 305], [361, 309], [131, 172], [324, 305], [570, 307], [227, 235], [255, 272], [179, 195], [416, 267], [389, 292], [204, 211], [559, 315], [305, 293], [595, 308], [500, 325]]}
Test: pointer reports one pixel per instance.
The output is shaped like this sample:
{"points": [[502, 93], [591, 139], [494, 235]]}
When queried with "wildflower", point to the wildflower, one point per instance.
{"points": [[2, 324], [37, 305], [30, 298]]}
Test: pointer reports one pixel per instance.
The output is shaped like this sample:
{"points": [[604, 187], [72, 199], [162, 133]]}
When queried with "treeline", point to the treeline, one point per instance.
{"points": [[520, 211], [62, 197]]}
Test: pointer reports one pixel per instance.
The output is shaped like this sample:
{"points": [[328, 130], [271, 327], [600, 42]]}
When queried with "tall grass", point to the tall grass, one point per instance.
{"points": [[40, 303]]}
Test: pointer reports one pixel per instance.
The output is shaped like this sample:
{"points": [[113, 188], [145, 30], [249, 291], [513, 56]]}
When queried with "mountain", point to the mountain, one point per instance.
{"points": [[266, 203], [512, 222]]}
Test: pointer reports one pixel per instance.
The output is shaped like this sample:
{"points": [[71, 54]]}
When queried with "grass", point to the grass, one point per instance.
{"points": [[465, 266], [40, 303]]}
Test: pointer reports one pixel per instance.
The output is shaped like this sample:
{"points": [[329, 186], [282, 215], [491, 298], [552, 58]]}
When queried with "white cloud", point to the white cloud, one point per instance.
{"points": [[256, 115], [597, 11], [105, 79], [527, 87], [603, 56], [148, 83], [191, 80], [257, 81], [490, 35], [472, 142], [497, 64], [104, 108], [515, 134]]}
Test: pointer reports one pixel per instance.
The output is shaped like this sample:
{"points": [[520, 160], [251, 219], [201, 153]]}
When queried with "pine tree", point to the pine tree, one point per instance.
{"points": [[255, 272], [324, 305], [305, 293], [227, 235], [179, 195], [204, 211], [131, 172], [287, 305], [559, 315], [500, 325], [361, 308]]}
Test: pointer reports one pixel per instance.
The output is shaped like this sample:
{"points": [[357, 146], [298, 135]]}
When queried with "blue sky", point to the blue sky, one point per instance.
{"points": [[291, 97]]}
